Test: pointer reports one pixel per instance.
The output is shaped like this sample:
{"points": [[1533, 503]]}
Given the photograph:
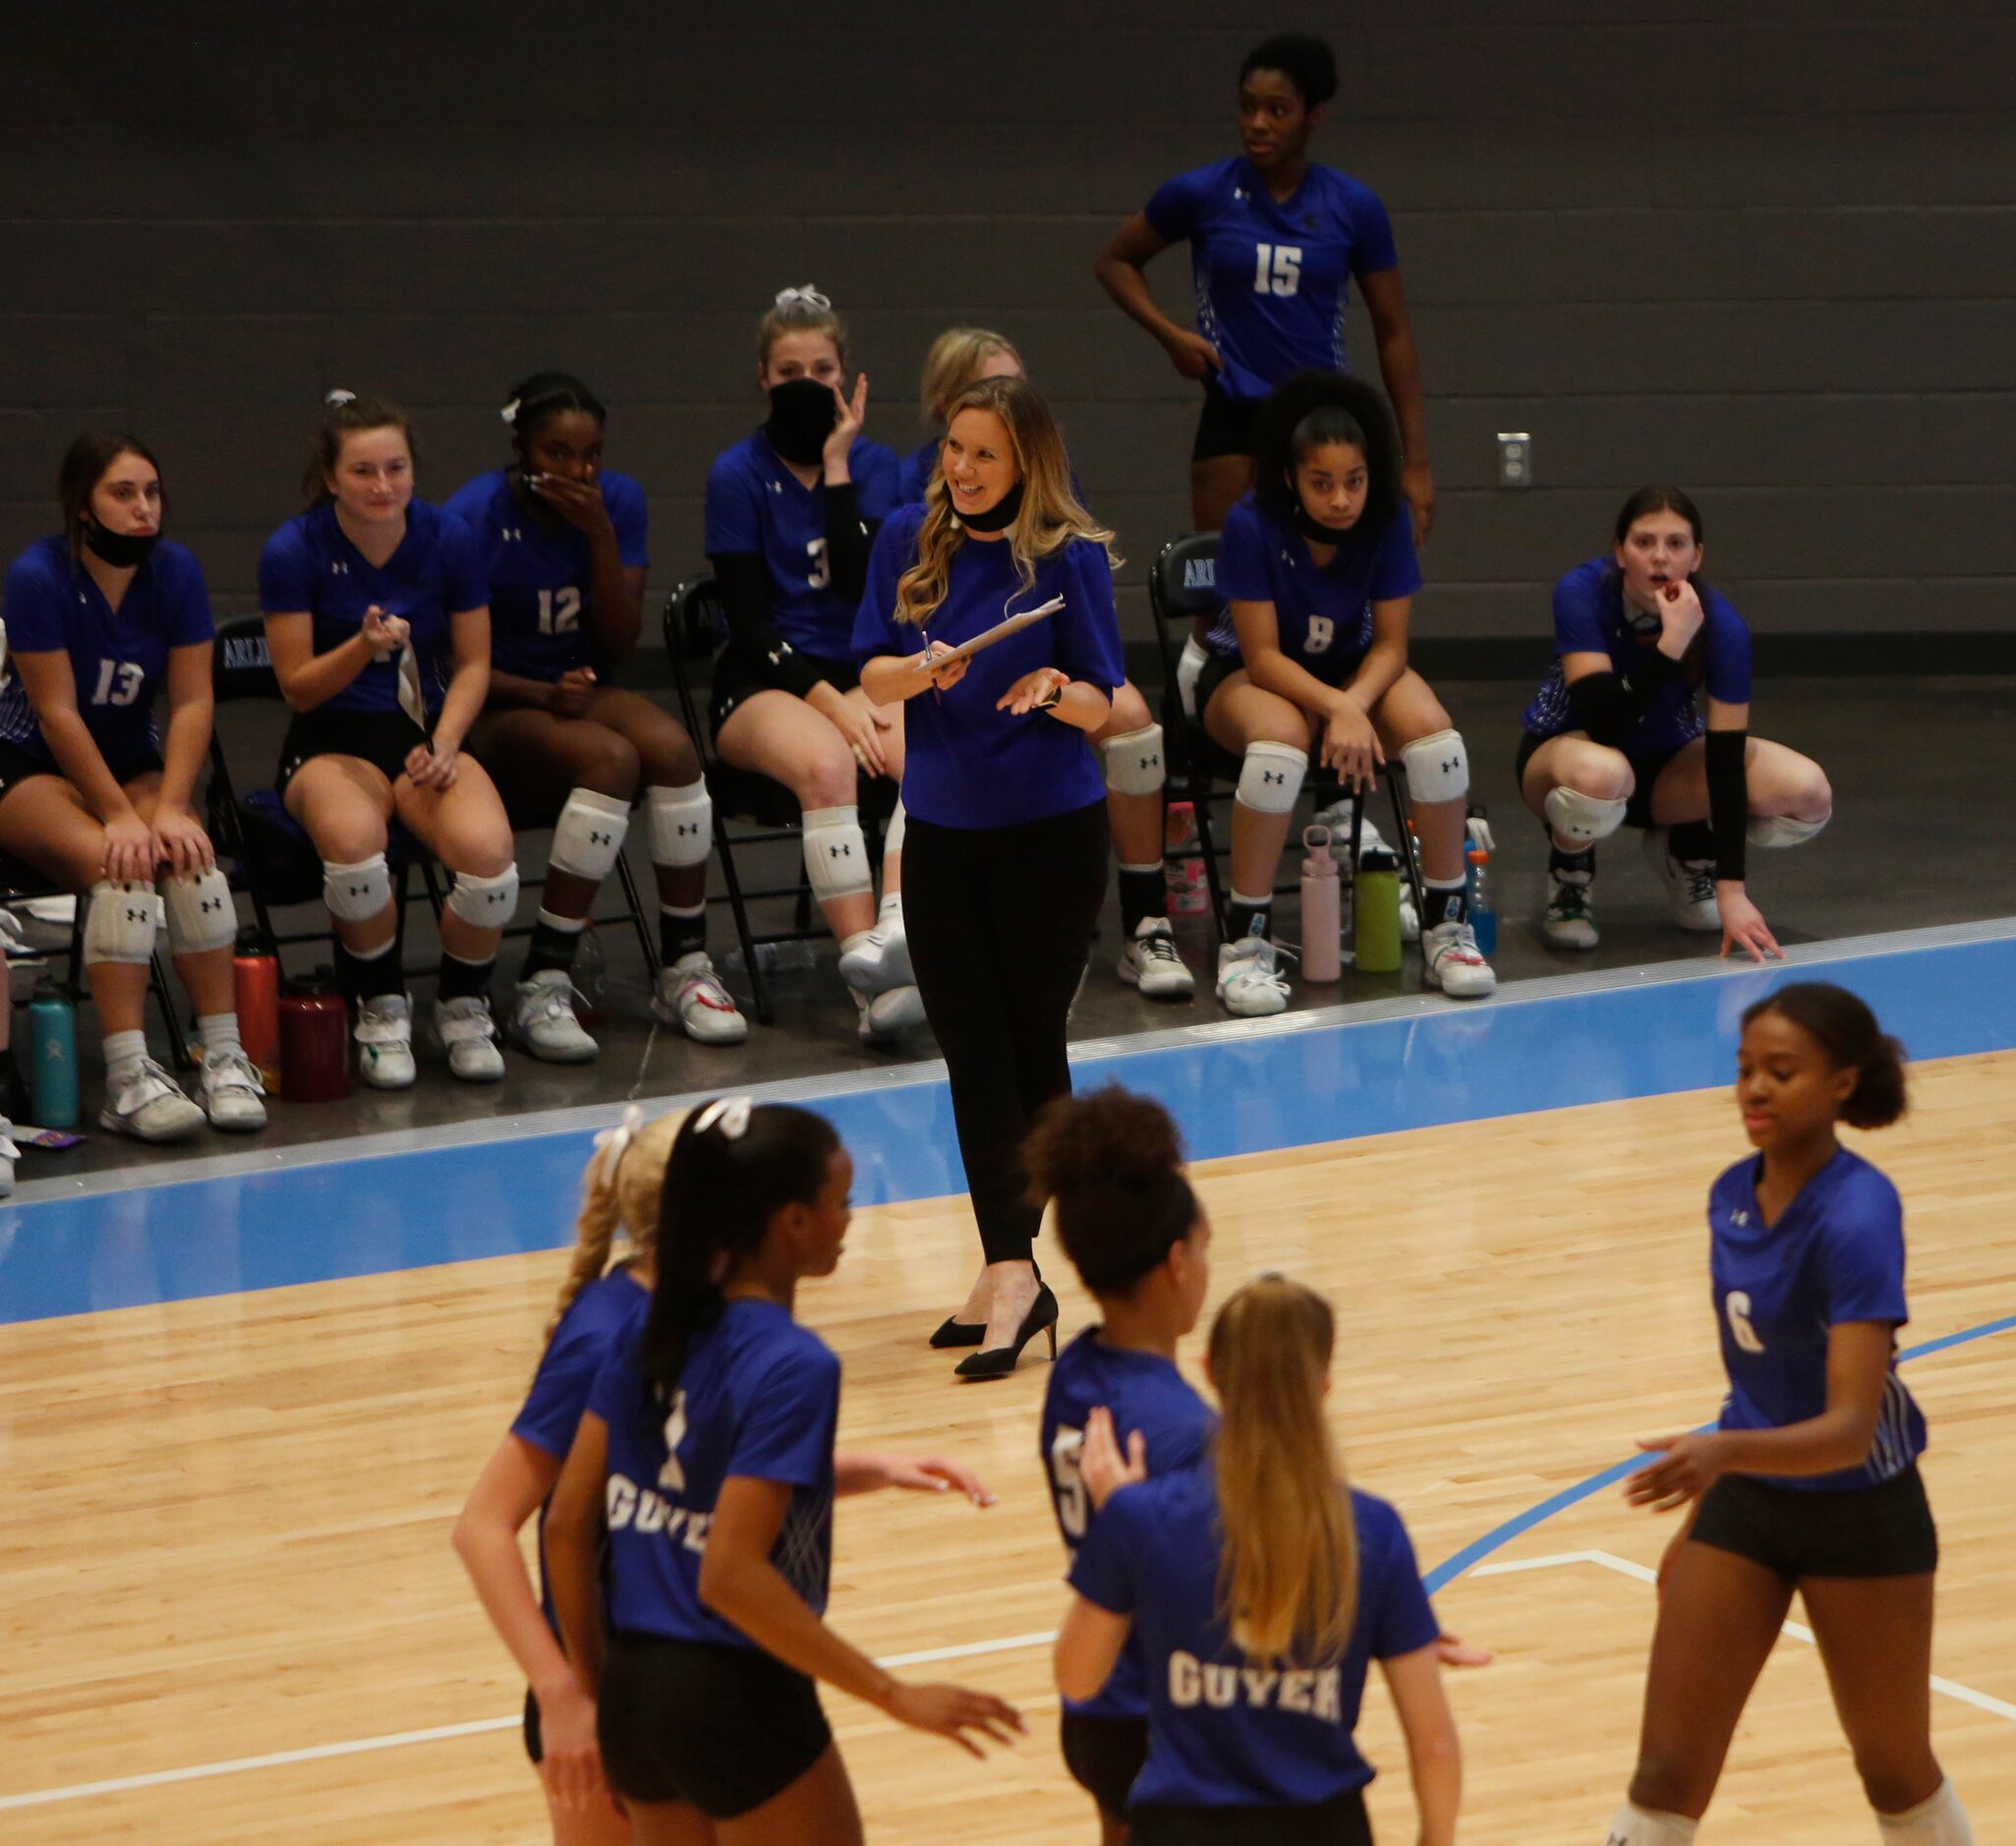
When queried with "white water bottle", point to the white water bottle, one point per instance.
{"points": [[1322, 909]]}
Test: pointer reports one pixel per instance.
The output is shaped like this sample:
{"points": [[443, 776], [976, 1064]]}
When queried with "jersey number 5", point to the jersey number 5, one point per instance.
{"points": [[1073, 1507], [671, 1474], [1740, 1329], [1277, 269], [559, 610], [119, 682]]}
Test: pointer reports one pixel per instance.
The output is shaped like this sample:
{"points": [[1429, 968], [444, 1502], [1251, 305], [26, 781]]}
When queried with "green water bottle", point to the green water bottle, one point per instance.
{"points": [[1376, 912]]}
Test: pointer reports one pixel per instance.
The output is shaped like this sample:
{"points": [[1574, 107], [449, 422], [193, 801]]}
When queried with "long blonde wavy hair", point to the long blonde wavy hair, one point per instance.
{"points": [[619, 1198], [1051, 516], [1288, 1574], [955, 362]]}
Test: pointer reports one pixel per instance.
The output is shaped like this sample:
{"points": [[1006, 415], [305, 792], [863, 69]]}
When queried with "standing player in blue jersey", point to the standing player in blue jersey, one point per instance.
{"points": [[99, 621], [377, 622], [1140, 1242], [1255, 1592], [1007, 803], [1129, 742], [1317, 568], [1614, 735], [707, 1450], [791, 512], [1809, 1481], [565, 538]]}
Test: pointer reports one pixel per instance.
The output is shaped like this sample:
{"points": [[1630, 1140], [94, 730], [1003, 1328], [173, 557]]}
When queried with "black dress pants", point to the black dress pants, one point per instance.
{"points": [[999, 921]]}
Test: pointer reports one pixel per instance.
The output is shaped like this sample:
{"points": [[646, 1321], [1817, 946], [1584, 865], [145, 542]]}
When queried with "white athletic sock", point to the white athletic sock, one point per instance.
{"points": [[849, 942], [124, 1050], [566, 925], [1639, 1826], [218, 1032], [1938, 1821], [892, 901]]}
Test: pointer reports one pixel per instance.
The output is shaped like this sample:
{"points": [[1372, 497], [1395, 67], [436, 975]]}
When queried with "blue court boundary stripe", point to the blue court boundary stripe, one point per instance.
{"points": [[1478, 1549]]}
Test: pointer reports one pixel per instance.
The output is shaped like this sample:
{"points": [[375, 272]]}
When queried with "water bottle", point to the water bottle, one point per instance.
{"points": [[1483, 910], [1322, 909], [315, 1043], [1377, 911], [256, 987], [1182, 866], [52, 1025]]}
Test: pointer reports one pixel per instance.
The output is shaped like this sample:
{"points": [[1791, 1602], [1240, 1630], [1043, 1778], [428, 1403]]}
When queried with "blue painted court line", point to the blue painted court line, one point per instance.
{"points": [[1478, 1549], [1232, 1095]]}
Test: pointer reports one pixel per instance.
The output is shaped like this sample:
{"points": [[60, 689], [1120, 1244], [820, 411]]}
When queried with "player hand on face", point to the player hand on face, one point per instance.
{"points": [[1102, 1466], [849, 415], [579, 502], [1688, 1466], [1743, 924], [1680, 617], [573, 692]]}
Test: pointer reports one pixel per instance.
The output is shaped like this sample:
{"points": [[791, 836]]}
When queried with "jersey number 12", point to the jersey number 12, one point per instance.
{"points": [[1277, 269], [559, 610]]}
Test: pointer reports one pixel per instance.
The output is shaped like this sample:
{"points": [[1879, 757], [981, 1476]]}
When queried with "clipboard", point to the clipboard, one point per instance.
{"points": [[979, 643]]}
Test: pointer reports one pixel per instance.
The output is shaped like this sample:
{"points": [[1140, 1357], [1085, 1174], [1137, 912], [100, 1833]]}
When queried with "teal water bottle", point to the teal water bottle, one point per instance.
{"points": [[52, 1031]]}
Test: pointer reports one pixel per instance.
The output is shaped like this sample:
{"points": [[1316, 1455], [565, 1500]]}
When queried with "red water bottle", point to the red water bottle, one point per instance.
{"points": [[255, 980], [315, 1045]]}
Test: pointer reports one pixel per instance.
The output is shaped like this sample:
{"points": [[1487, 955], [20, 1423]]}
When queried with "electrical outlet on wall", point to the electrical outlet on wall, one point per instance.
{"points": [[1515, 458]]}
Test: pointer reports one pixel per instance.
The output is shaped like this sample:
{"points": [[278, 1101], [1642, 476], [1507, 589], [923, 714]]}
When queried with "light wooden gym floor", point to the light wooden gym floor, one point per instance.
{"points": [[227, 1531]]}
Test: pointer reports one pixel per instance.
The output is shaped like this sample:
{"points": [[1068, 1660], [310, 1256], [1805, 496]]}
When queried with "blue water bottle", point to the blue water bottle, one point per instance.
{"points": [[1483, 910], [52, 1031]]}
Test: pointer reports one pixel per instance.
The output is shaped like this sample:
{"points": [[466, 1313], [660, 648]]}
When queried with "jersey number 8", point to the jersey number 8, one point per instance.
{"points": [[1277, 269], [1740, 1331], [1072, 1506]]}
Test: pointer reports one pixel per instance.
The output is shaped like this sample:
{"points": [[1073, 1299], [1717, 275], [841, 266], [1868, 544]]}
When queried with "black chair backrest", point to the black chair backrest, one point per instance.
{"points": [[695, 607], [240, 666], [1183, 582]]}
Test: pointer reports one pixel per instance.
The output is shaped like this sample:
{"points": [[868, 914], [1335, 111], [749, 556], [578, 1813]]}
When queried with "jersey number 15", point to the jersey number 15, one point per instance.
{"points": [[1277, 269]]}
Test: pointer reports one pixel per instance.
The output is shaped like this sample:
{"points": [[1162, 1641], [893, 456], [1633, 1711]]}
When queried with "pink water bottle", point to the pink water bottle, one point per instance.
{"points": [[1322, 909]]}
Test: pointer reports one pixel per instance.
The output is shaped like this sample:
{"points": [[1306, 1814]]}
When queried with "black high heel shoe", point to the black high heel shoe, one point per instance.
{"points": [[996, 1362], [953, 1331]]}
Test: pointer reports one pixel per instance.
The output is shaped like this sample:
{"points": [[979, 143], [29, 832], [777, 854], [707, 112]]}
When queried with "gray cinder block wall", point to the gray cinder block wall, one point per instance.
{"points": [[1764, 247]]}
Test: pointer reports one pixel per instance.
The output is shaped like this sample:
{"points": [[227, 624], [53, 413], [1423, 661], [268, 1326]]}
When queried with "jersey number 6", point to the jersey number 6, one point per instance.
{"points": [[1740, 1331]]}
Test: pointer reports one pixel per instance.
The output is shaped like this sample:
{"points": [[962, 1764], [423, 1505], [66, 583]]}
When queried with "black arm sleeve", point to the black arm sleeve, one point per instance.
{"points": [[1609, 706], [849, 539], [1728, 800], [744, 583]]}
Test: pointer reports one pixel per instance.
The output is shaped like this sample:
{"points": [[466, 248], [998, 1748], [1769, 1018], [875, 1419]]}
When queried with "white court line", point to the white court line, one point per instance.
{"points": [[1623, 1567], [440, 1733]]}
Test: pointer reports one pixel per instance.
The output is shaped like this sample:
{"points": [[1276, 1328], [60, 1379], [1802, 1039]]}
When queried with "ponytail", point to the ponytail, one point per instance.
{"points": [[619, 1195], [1288, 1565], [734, 1165], [1842, 1026]]}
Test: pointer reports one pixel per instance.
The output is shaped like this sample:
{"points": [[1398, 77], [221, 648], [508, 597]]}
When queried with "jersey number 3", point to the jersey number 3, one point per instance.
{"points": [[1277, 269], [1737, 1307]]}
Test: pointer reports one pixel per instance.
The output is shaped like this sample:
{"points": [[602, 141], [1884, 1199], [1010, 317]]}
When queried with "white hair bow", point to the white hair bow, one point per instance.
{"points": [[510, 411], [611, 1145], [336, 399], [730, 1115], [809, 295]]}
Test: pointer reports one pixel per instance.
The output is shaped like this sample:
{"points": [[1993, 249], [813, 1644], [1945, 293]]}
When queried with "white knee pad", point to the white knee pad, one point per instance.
{"points": [[121, 923], [893, 834], [588, 838], [1189, 669], [836, 853], [1781, 829], [484, 903], [1581, 818], [1270, 776], [200, 913], [355, 894], [1438, 768], [1133, 762], [681, 823]]}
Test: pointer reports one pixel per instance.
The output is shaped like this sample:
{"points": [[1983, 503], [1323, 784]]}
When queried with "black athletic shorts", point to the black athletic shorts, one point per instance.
{"points": [[725, 1729], [1645, 771], [1104, 1755], [735, 678], [17, 766], [1224, 425], [1859, 1532], [1341, 1821], [384, 739]]}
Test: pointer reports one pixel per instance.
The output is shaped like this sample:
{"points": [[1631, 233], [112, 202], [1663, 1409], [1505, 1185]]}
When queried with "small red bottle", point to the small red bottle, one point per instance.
{"points": [[315, 1045]]}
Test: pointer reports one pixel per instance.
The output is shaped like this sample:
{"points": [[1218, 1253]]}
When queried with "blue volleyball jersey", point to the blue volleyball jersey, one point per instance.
{"points": [[914, 474], [1221, 1733], [1590, 618], [596, 1322], [759, 1397], [1323, 612], [966, 764], [757, 506], [437, 572], [1836, 1255], [1272, 278], [541, 576], [119, 658], [1145, 1393]]}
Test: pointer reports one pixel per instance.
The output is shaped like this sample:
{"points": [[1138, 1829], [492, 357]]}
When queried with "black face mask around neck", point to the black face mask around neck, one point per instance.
{"points": [[123, 550], [1316, 530], [802, 414], [998, 517]]}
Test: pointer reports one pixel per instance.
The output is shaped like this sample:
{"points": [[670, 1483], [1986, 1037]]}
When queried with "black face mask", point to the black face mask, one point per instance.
{"points": [[123, 550], [1316, 530], [998, 517], [802, 414]]}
